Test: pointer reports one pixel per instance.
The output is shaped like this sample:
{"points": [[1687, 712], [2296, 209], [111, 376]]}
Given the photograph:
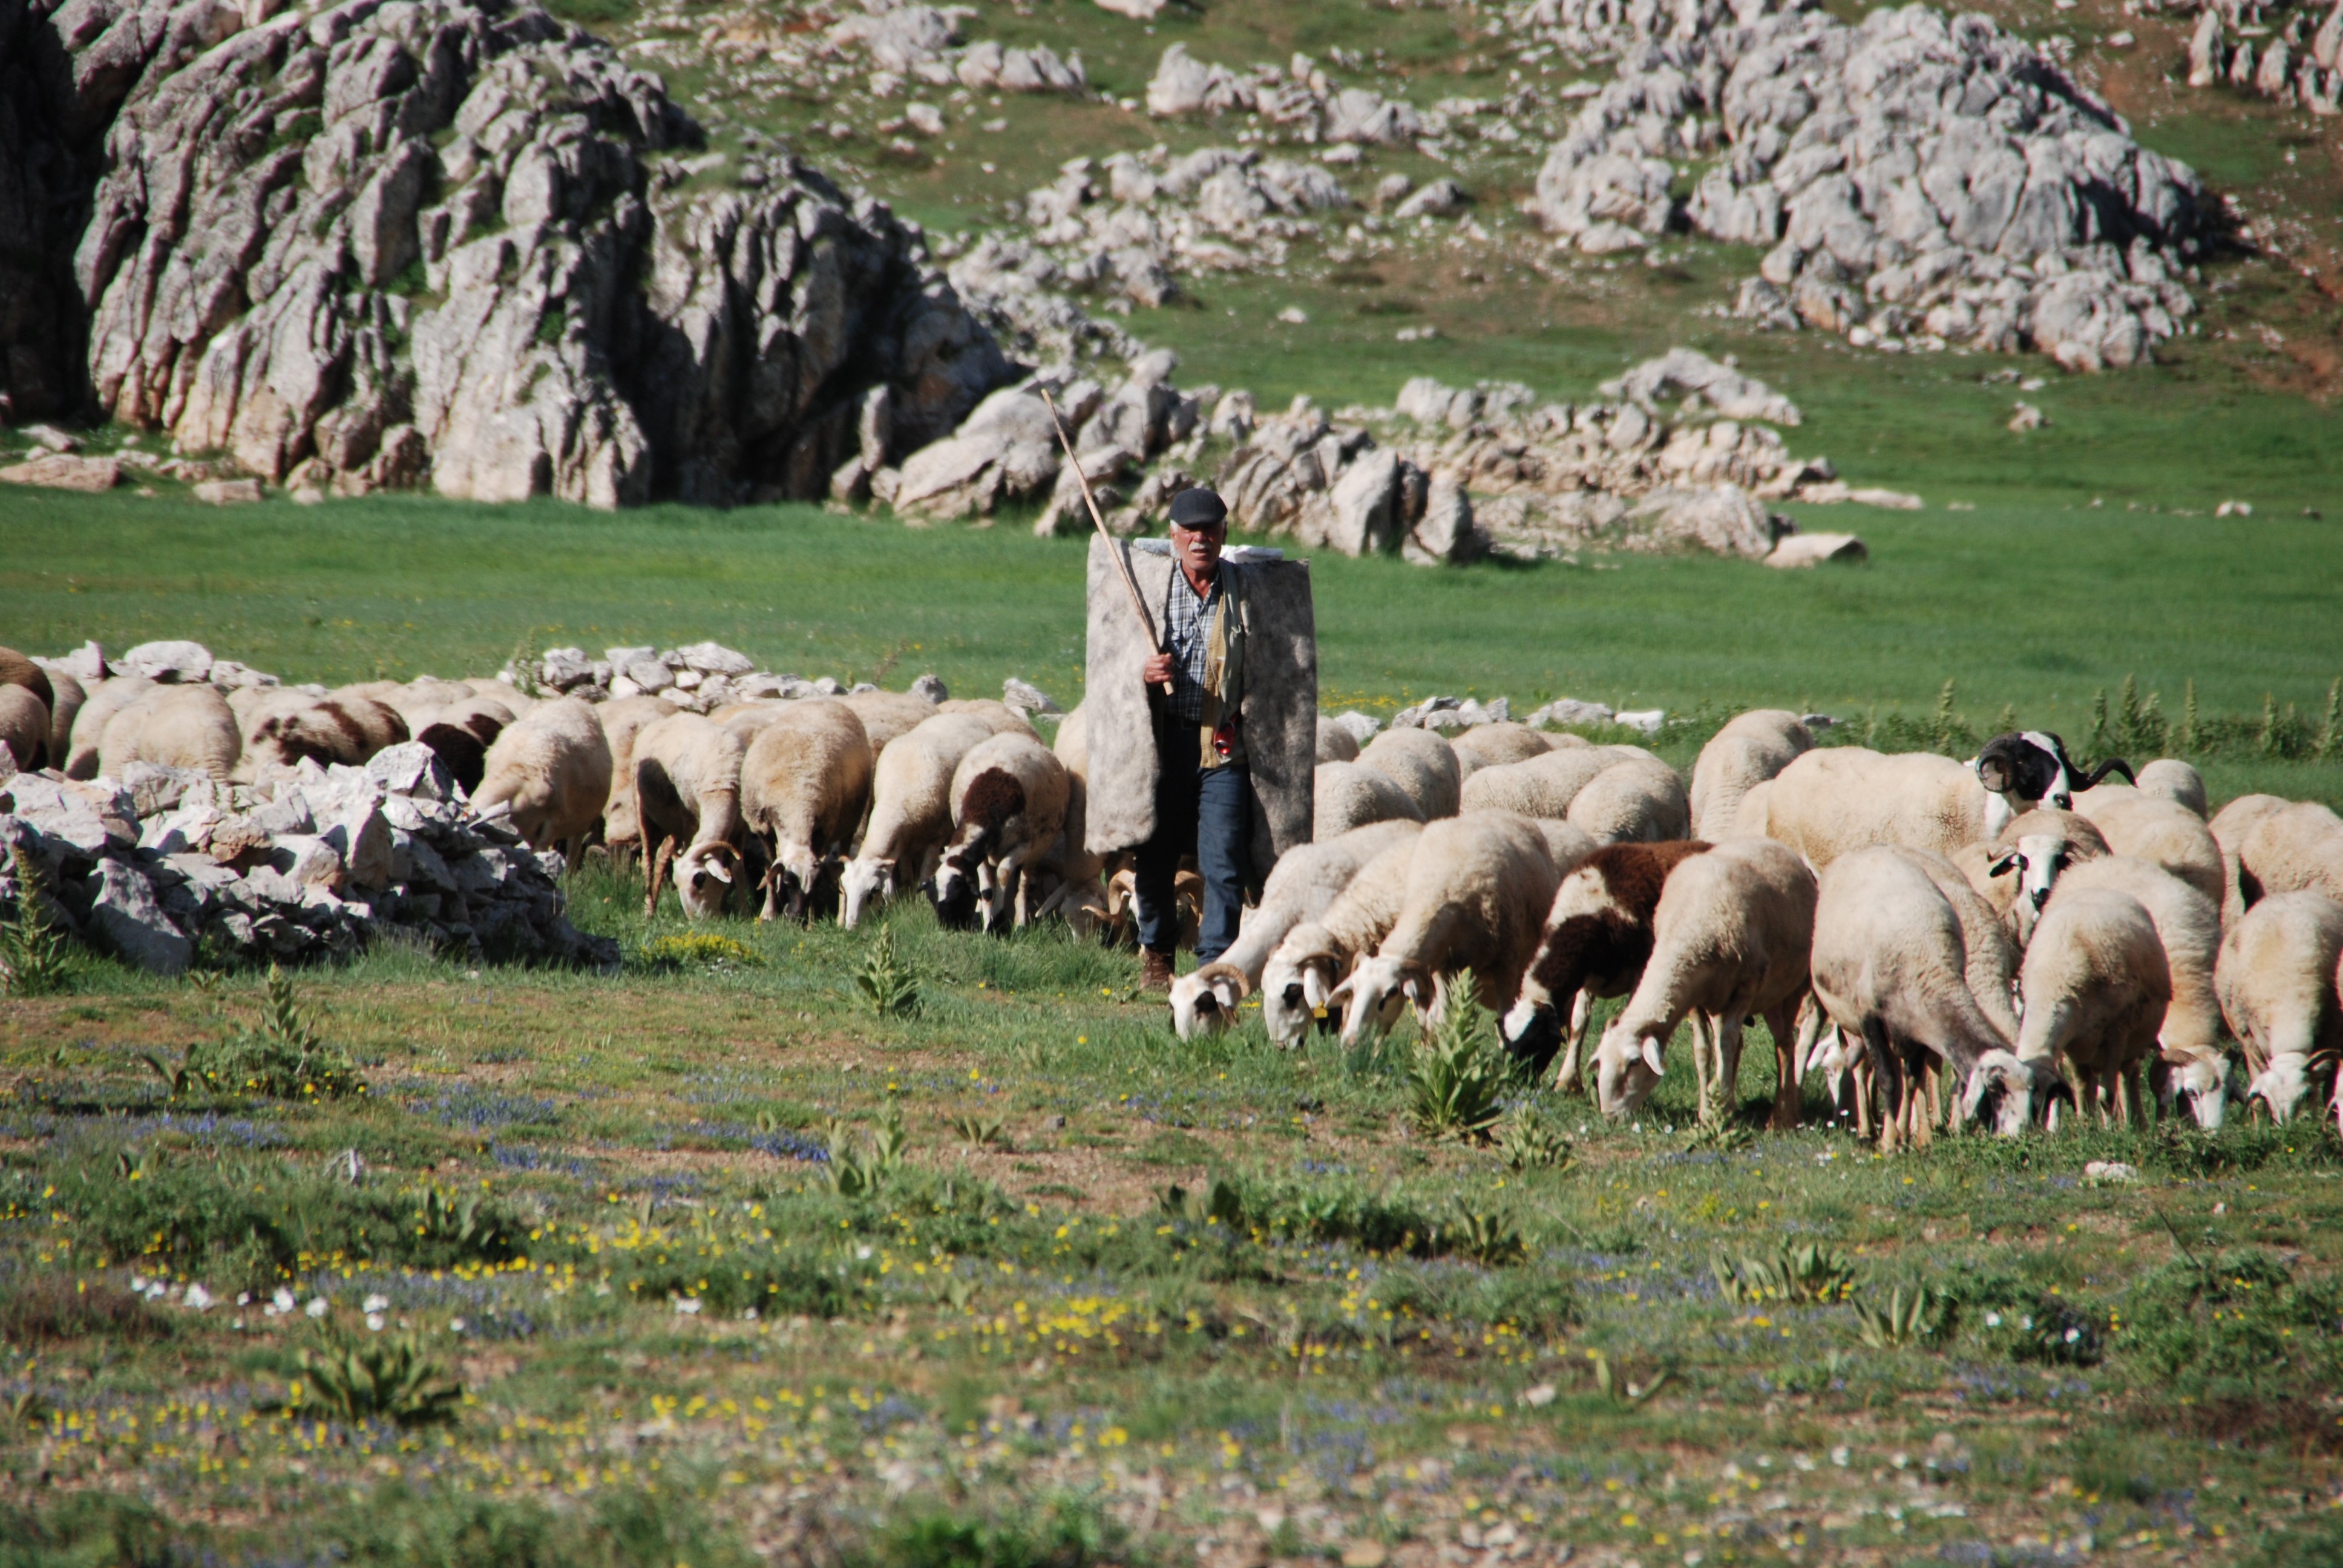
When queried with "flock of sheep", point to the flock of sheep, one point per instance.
{"points": [[1994, 940]]}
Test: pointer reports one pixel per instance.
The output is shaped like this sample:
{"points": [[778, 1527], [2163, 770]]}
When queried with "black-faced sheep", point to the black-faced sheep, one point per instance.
{"points": [[551, 772], [1009, 806], [2030, 767], [1302, 886], [1422, 764], [1348, 795], [805, 784], [1730, 941], [2275, 979], [189, 726], [1751, 748]]}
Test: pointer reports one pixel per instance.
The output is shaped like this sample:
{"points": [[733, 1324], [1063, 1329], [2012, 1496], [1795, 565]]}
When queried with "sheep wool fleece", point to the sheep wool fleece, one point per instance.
{"points": [[1277, 709]]}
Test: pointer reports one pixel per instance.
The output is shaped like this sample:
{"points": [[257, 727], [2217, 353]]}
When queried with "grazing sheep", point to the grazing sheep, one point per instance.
{"points": [[910, 811], [1301, 887], [805, 783], [2189, 1061], [2095, 986], [1730, 941], [1009, 806], [189, 726], [1478, 889], [1597, 936], [64, 704], [1335, 743], [2015, 872], [1422, 764], [688, 792], [1492, 745], [18, 669], [1749, 818], [998, 716], [1829, 802], [623, 720], [2164, 832], [2275, 978], [24, 727], [1751, 748], [1540, 786], [2298, 848], [345, 728], [1992, 956], [1638, 801], [1893, 970], [2230, 827], [107, 699], [551, 772], [2027, 768], [887, 714], [1347, 795], [1298, 981]]}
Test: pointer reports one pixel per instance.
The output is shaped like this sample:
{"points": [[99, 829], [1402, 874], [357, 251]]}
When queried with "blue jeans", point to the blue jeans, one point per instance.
{"points": [[1210, 810]]}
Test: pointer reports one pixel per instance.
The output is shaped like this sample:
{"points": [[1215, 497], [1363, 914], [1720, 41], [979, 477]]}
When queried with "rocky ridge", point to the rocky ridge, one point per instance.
{"points": [[2286, 53]]}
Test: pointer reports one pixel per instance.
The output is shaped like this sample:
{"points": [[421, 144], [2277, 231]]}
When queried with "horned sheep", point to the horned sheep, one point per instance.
{"points": [[688, 792], [2277, 981], [1299, 977], [1009, 806]]}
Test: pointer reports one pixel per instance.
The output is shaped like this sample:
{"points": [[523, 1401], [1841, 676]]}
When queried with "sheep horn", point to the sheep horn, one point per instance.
{"points": [[2112, 765], [658, 874]]}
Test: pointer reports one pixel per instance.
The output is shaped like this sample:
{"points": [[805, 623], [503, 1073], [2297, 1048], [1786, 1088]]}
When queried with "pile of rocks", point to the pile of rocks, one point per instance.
{"points": [[163, 866], [1918, 182], [925, 44], [1298, 96], [698, 679], [2299, 60], [446, 244]]}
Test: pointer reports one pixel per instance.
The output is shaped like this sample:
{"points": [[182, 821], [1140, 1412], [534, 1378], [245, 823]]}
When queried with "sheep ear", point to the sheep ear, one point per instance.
{"points": [[1652, 1058], [2005, 863], [1341, 992]]}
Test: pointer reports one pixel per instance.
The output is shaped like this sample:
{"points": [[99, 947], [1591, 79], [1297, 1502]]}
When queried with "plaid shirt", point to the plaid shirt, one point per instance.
{"points": [[1187, 627]]}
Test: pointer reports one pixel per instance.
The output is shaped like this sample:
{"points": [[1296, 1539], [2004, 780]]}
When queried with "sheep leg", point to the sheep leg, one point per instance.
{"points": [[1702, 1070], [1889, 1066], [1571, 1076], [1863, 1080], [1725, 1058], [1790, 1045]]}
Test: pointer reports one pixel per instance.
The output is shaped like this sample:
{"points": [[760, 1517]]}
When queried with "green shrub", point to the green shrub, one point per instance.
{"points": [[1460, 1075], [2239, 1313], [1803, 1271], [281, 1059], [35, 957], [885, 980], [380, 1376]]}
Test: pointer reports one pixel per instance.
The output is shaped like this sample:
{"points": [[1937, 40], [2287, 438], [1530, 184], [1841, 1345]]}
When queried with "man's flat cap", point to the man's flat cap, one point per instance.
{"points": [[1199, 509]]}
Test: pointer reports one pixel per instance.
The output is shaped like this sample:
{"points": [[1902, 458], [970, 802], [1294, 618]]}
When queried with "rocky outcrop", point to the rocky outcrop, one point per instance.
{"points": [[2295, 58], [461, 245], [1916, 181]]}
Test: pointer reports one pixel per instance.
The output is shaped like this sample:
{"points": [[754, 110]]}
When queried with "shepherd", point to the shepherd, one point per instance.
{"points": [[1202, 739]]}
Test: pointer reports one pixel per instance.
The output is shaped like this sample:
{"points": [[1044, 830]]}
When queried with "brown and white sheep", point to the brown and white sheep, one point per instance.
{"points": [[1009, 806]]}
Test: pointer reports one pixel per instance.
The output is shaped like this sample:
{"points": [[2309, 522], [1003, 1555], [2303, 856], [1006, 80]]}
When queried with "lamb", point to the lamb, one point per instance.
{"points": [[2166, 832], [1009, 806], [910, 811], [1422, 764], [805, 783], [1730, 940], [347, 729], [2096, 986], [2277, 981], [1492, 745], [1597, 936], [2298, 848], [1347, 795], [1893, 970], [1478, 889], [2190, 1062], [1640, 800], [189, 726], [1751, 748], [1299, 886], [688, 792], [24, 727], [623, 720], [2027, 768], [1837, 800], [888, 715], [1540, 786], [1299, 977], [107, 699], [1335, 743], [551, 772]]}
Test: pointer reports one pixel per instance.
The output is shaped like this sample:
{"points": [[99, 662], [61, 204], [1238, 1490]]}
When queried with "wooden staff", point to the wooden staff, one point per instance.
{"points": [[1114, 546]]}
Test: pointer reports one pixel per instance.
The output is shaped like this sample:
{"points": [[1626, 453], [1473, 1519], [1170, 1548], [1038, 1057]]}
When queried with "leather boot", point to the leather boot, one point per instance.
{"points": [[1154, 971]]}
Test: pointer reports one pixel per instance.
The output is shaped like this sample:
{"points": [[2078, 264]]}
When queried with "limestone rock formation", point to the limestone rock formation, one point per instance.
{"points": [[434, 242]]}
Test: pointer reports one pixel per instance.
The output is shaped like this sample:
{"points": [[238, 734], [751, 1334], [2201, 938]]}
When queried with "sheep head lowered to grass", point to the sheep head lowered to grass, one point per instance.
{"points": [[2026, 767]]}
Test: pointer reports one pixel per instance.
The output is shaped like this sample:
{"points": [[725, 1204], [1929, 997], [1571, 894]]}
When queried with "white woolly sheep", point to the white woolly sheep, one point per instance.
{"points": [[1541, 786], [1478, 889], [1892, 969], [1730, 940], [1301, 887], [1751, 748], [1636, 801], [1422, 764], [2275, 978], [1597, 936], [1299, 977], [105, 699], [2165, 831], [1009, 806], [1348, 795], [1335, 741], [1836, 800], [2230, 827], [1748, 819], [910, 811], [2096, 987], [2298, 848], [1494, 745], [551, 772], [2167, 777], [805, 783], [24, 727], [888, 715], [687, 793], [997, 715], [189, 726], [623, 721]]}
